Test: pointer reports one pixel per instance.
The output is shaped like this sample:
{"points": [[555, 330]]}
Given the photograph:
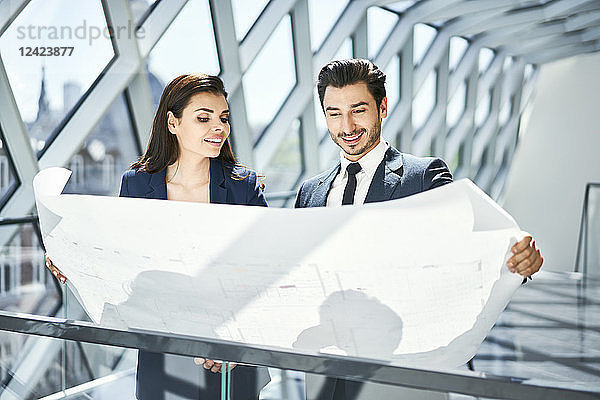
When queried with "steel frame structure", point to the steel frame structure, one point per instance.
{"points": [[526, 31]]}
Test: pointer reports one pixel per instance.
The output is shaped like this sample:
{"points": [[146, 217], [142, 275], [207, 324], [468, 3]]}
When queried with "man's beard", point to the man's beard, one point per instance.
{"points": [[373, 135]]}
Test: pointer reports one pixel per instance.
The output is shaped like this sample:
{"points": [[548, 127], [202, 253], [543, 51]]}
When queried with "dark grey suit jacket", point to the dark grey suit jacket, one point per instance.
{"points": [[398, 175]]}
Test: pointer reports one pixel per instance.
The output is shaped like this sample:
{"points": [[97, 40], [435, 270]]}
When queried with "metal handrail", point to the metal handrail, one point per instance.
{"points": [[347, 367]]}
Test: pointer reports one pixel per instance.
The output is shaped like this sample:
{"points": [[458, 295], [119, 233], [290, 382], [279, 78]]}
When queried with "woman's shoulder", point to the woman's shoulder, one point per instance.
{"points": [[238, 172], [135, 174]]}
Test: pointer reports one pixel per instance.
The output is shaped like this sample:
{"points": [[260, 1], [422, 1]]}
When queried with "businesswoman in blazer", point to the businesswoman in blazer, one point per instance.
{"points": [[189, 158]]}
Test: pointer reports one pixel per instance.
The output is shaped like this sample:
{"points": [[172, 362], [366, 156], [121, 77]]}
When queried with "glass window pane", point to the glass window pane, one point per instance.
{"points": [[25, 283], [456, 106], [424, 101], [188, 46], [392, 82], [505, 110], [485, 59], [345, 50], [139, 8], [323, 15], [8, 180], [285, 167], [46, 88], [379, 25], [423, 36], [105, 155], [527, 72], [245, 12], [401, 6], [483, 109], [273, 68], [458, 47], [343, 53], [508, 61], [320, 117]]}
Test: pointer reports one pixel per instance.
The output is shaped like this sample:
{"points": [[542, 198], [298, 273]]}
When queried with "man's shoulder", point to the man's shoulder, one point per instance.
{"points": [[412, 162], [315, 180], [424, 173]]}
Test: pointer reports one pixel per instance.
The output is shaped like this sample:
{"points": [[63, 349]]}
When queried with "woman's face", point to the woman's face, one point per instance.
{"points": [[203, 126]]}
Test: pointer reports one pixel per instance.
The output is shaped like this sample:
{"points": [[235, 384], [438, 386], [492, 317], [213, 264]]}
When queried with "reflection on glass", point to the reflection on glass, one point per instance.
{"points": [[7, 173], [245, 12], [379, 25], [139, 8], [274, 69], [188, 46], [285, 167], [485, 59], [323, 15], [423, 36], [424, 101], [457, 49], [483, 109], [63, 364], [456, 105], [105, 155], [68, 48]]}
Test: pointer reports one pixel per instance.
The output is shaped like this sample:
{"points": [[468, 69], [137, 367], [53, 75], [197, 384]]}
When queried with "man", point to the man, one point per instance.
{"points": [[353, 98]]}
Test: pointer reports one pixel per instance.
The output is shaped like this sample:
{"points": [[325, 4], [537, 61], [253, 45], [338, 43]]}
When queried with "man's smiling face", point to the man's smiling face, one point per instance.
{"points": [[353, 118]]}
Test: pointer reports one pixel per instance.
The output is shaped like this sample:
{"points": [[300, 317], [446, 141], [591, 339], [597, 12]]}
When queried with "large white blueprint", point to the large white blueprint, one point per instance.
{"points": [[417, 281]]}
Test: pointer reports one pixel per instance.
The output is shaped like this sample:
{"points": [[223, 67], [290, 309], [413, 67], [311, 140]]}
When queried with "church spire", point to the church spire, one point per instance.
{"points": [[43, 106]]}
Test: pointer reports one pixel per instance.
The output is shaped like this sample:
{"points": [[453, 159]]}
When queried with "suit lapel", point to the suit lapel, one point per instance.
{"points": [[157, 185], [319, 195], [218, 190], [387, 177]]}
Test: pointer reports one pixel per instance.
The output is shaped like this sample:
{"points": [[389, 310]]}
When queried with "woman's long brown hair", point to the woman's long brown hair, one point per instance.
{"points": [[162, 148]]}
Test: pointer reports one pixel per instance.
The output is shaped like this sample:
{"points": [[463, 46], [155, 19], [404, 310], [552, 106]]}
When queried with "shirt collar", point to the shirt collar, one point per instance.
{"points": [[370, 161]]}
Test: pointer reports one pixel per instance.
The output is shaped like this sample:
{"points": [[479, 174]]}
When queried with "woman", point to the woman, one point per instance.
{"points": [[189, 158]]}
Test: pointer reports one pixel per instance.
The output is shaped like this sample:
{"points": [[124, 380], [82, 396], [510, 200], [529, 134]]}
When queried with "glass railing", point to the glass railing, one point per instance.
{"points": [[545, 345], [588, 251]]}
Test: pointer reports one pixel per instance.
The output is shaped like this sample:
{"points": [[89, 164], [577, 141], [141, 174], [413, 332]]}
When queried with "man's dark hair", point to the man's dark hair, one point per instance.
{"points": [[348, 72]]}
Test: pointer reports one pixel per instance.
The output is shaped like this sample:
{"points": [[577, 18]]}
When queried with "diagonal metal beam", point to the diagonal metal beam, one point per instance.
{"points": [[549, 42], [110, 85], [555, 53], [9, 10], [157, 24], [231, 73], [262, 29], [583, 20]]}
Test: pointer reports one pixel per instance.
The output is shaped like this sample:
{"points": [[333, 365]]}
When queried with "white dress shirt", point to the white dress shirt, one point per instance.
{"points": [[369, 163]]}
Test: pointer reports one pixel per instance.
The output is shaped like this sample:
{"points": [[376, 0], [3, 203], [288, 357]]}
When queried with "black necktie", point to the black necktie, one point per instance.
{"points": [[353, 169]]}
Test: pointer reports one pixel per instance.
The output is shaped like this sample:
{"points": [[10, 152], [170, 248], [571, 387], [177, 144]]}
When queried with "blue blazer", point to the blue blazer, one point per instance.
{"points": [[161, 376], [398, 175]]}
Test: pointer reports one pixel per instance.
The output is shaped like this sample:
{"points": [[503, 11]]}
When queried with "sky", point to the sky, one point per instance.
{"points": [[187, 46]]}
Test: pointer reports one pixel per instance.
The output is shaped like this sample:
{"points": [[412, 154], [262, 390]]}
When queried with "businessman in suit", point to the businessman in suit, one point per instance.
{"points": [[353, 99]]}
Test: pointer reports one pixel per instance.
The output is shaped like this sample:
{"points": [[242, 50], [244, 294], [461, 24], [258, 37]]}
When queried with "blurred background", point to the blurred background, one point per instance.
{"points": [[506, 91]]}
